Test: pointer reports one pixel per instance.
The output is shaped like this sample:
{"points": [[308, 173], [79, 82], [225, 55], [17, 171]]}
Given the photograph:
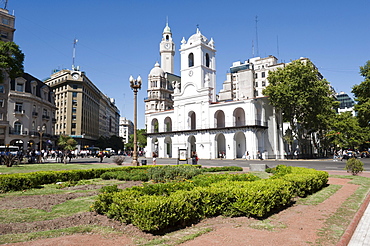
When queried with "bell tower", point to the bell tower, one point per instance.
{"points": [[198, 64], [167, 50]]}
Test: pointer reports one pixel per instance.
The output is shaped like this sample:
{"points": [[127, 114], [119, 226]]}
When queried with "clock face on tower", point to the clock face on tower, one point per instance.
{"points": [[167, 46], [75, 76]]}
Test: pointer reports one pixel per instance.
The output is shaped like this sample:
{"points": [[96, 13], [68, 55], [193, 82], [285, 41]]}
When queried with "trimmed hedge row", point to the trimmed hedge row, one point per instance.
{"points": [[305, 181], [169, 205], [157, 212], [22, 181]]}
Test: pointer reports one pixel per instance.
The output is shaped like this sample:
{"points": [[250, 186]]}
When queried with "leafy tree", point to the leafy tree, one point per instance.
{"points": [[346, 132], [66, 142], [11, 60], [362, 96], [141, 139], [304, 98]]}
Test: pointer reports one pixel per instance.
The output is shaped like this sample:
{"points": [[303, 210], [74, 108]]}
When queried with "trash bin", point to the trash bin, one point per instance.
{"points": [[143, 162]]}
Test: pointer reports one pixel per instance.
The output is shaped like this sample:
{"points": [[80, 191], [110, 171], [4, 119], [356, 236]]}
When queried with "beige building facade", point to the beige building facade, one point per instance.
{"points": [[83, 111], [30, 114]]}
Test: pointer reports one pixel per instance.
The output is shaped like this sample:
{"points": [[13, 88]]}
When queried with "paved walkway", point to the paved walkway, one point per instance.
{"points": [[361, 236]]}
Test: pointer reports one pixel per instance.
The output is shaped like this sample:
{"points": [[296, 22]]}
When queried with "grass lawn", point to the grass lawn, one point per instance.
{"points": [[25, 168]]}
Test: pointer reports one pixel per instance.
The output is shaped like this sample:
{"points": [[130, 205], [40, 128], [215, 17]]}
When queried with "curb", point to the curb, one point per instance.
{"points": [[347, 235]]}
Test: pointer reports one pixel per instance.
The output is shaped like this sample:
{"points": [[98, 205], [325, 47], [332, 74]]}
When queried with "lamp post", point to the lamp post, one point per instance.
{"points": [[41, 130], [135, 86]]}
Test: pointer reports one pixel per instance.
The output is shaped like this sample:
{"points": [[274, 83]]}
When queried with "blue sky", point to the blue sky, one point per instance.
{"points": [[121, 38]]}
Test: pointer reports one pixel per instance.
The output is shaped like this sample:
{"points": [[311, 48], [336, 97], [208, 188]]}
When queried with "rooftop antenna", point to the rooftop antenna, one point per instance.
{"points": [[257, 36], [252, 48], [5, 4], [74, 53]]}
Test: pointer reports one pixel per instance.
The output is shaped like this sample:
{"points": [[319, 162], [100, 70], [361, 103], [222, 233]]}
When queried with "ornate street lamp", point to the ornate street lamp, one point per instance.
{"points": [[41, 131], [135, 86]]}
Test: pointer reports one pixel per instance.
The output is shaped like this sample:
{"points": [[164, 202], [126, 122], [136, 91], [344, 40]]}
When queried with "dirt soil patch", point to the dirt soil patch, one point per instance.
{"points": [[296, 225]]}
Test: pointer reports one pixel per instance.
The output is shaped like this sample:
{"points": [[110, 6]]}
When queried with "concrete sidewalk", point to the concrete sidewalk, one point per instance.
{"points": [[361, 235]]}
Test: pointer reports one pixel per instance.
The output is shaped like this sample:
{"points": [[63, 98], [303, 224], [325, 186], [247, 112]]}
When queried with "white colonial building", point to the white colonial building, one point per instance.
{"points": [[184, 112]]}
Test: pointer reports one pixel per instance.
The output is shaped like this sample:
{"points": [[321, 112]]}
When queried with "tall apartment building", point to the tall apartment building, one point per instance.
{"points": [[126, 128], [6, 34], [83, 111], [6, 25]]}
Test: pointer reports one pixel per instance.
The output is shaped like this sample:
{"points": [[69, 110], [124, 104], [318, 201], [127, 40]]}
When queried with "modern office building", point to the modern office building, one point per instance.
{"points": [[83, 111], [345, 102], [241, 122]]}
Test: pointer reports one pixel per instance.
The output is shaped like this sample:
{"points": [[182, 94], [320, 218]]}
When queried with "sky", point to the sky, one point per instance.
{"points": [[119, 38]]}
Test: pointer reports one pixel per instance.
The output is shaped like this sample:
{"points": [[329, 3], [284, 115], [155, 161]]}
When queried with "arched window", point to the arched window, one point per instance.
{"points": [[168, 124], [167, 37], [192, 120], [207, 60], [191, 60], [239, 117], [155, 125], [219, 119]]}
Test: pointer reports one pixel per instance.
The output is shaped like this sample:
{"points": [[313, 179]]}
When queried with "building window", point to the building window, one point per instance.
{"points": [[4, 34], [1, 103], [73, 117], [256, 76], [6, 21], [18, 107], [75, 86], [191, 60], [263, 83], [1, 89], [256, 84], [207, 60], [73, 125], [74, 110], [19, 87], [263, 74], [17, 127], [1, 118], [34, 90], [74, 94]]}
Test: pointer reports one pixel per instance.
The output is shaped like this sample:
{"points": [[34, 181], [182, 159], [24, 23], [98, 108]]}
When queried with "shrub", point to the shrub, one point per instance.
{"points": [[354, 166], [119, 159], [179, 172], [222, 169]]}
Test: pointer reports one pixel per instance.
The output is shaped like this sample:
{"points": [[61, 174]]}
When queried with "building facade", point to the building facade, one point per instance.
{"points": [[83, 111], [6, 34], [199, 122], [126, 128], [345, 103], [31, 114]]}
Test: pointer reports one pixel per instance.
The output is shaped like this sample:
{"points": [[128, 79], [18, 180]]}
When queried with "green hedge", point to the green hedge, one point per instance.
{"points": [[157, 212], [155, 207], [22, 181]]}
